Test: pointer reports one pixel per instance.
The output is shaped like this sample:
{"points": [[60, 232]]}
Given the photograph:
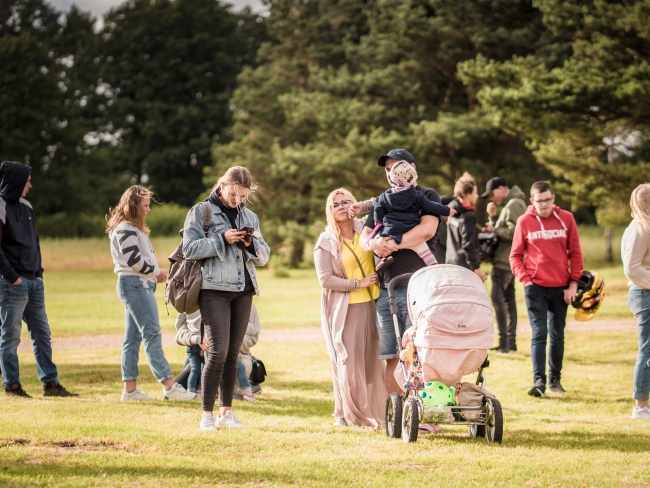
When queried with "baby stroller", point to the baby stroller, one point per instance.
{"points": [[452, 318]]}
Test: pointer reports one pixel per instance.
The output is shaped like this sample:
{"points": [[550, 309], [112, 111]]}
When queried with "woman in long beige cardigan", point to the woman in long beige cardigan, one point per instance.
{"points": [[348, 317]]}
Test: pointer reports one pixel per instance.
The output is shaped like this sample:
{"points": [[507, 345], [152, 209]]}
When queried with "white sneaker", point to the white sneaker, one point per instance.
{"points": [[207, 422], [138, 394], [177, 392], [641, 413], [340, 423], [229, 420]]}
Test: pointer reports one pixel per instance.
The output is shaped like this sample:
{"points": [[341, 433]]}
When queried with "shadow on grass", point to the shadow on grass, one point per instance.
{"points": [[58, 472], [568, 440]]}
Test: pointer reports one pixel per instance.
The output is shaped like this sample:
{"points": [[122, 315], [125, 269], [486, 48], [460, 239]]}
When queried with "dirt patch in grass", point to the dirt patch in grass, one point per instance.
{"points": [[78, 445], [304, 334], [114, 341]]}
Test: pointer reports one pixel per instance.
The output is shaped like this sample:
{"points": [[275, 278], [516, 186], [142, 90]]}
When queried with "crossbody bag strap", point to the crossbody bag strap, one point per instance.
{"points": [[207, 214], [360, 268]]}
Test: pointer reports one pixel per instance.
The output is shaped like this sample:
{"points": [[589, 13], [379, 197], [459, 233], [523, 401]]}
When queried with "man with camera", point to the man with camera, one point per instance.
{"points": [[503, 281]]}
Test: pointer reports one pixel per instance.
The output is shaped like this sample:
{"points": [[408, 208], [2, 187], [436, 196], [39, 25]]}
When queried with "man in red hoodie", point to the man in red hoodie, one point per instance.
{"points": [[547, 259]]}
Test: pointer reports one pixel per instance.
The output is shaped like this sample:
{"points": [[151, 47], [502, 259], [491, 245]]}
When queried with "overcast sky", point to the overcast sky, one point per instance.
{"points": [[99, 7]]}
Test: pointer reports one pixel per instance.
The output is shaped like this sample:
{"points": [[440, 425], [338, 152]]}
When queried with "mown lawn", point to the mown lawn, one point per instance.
{"points": [[583, 438]]}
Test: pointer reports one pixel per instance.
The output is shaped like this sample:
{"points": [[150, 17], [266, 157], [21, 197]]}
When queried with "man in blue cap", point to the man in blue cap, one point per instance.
{"points": [[405, 261]]}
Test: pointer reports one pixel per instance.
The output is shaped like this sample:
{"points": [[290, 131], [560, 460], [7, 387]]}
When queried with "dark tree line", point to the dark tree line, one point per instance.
{"points": [[140, 101], [169, 94]]}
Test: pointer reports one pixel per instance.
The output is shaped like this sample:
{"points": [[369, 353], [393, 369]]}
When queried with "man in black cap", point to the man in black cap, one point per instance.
{"points": [[405, 261], [22, 296], [503, 281]]}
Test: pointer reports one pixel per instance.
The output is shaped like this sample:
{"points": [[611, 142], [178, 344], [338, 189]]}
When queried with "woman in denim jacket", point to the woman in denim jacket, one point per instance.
{"points": [[635, 254], [229, 282]]}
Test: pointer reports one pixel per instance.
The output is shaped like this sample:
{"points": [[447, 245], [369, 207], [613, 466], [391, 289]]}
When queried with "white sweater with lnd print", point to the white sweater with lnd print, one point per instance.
{"points": [[132, 252]]}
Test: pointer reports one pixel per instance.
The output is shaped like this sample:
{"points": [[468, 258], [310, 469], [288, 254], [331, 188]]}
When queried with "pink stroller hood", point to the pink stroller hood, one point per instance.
{"points": [[452, 314]]}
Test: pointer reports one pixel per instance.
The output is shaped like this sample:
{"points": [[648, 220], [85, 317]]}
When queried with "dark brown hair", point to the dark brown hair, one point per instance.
{"points": [[540, 187]]}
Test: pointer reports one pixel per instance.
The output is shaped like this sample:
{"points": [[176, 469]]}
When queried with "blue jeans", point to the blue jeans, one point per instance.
{"points": [[17, 303], [141, 323], [547, 315], [387, 339], [242, 377], [638, 300], [196, 367]]}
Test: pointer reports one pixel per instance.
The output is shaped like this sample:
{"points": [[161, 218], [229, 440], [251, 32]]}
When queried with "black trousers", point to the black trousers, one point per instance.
{"points": [[503, 299], [547, 314], [225, 319]]}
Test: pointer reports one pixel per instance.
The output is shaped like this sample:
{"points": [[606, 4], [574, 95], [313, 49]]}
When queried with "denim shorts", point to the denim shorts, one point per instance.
{"points": [[385, 325]]}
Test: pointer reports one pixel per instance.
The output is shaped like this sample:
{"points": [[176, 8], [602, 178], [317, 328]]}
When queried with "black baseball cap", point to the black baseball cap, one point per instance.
{"points": [[399, 154], [492, 185]]}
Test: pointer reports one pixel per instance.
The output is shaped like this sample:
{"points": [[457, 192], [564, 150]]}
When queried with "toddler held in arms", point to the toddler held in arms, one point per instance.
{"points": [[399, 209]]}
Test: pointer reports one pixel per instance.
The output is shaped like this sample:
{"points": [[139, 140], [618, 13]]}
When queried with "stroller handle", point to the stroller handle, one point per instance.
{"points": [[392, 304]]}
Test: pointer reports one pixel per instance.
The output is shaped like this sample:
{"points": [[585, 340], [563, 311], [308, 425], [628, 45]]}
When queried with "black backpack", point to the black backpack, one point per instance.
{"points": [[488, 242], [258, 373]]}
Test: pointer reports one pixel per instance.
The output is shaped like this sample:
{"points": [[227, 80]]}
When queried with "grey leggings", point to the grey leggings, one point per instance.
{"points": [[225, 319]]}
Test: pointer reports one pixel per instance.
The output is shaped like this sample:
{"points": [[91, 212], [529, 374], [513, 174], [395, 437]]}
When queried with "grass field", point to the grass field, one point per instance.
{"points": [[583, 438]]}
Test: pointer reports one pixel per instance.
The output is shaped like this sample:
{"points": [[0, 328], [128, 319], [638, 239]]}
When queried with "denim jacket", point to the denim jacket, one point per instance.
{"points": [[223, 268]]}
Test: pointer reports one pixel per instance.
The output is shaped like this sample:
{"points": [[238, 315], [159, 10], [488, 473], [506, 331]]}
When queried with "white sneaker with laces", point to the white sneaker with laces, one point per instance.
{"points": [[229, 420], [641, 413], [207, 422], [177, 392], [138, 394]]}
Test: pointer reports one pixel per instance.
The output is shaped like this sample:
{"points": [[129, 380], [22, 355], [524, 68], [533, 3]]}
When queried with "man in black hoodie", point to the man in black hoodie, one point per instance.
{"points": [[22, 295]]}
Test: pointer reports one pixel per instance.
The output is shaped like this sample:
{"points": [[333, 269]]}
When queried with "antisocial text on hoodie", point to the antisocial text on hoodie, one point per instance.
{"points": [[547, 250]]}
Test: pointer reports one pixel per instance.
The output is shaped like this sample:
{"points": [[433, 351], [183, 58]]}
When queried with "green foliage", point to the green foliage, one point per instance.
{"points": [[585, 119], [345, 81], [166, 220], [140, 101], [62, 225], [167, 72]]}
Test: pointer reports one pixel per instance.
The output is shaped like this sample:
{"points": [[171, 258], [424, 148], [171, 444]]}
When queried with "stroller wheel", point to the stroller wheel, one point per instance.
{"points": [[394, 416], [494, 420], [410, 420]]}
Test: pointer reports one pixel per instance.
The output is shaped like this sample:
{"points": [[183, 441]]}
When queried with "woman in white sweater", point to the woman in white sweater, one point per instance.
{"points": [[138, 273], [635, 252]]}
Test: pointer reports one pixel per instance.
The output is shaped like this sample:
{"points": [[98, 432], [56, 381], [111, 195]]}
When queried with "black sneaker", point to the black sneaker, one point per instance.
{"points": [[16, 390], [538, 389], [513, 347], [503, 350], [56, 389], [556, 387]]}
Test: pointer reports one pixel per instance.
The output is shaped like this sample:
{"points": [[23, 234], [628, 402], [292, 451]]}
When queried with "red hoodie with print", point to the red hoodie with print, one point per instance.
{"points": [[546, 250]]}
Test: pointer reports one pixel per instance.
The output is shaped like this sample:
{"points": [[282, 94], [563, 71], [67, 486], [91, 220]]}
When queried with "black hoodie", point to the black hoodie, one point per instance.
{"points": [[462, 238], [20, 250]]}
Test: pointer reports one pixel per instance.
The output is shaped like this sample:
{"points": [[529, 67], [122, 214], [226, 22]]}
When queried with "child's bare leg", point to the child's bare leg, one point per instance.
{"points": [[425, 253]]}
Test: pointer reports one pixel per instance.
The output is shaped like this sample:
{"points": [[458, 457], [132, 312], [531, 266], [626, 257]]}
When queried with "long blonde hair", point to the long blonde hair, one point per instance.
{"points": [[237, 176], [332, 224], [127, 209], [640, 205]]}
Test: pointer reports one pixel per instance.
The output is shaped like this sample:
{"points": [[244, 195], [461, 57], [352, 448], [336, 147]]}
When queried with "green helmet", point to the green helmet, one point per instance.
{"points": [[436, 393]]}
